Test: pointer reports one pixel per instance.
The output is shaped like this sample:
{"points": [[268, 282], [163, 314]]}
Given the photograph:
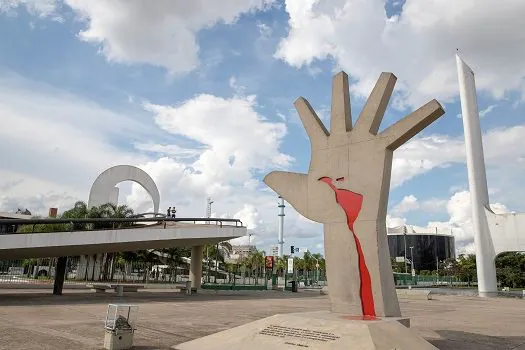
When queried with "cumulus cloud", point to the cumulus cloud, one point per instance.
{"points": [[418, 45], [407, 204], [459, 209], [240, 140], [161, 33]]}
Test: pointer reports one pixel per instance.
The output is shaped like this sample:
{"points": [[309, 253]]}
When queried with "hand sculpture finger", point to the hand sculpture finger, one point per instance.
{"points": [[340, 116], [312, 124], [412, 124], [372, 114], [291, 186]]}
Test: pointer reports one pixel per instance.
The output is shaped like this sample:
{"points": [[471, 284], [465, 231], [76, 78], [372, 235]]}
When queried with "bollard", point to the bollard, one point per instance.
{"points": [[120, 291]]}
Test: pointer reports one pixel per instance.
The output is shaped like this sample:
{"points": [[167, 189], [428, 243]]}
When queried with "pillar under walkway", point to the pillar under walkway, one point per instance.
{"points": [[196, 267]]}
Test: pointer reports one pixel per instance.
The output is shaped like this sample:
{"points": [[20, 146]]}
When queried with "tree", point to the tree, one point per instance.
{"points": [[467, 268], [80, 210], [398, 267], [510, 269]]}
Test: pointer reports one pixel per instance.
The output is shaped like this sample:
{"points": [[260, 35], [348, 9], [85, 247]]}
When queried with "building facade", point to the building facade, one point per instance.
{"points": [[428, 248], [240, 251]]}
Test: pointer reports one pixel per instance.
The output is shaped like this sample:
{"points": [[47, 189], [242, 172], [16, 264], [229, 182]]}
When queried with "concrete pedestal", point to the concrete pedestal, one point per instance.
{"points": [[315, 330], [119, 340]]}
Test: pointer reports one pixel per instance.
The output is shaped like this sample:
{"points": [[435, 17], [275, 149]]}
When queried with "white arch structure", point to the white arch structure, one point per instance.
{"points": [[104, 191]]}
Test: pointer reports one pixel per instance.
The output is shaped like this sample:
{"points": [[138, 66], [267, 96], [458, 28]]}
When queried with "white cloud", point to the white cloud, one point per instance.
{"points": [[58, 143], [392, 221], [418, 46], [487, 110], [162, 33], [483, 112], [41, 8], [411, 203], [423, 154], [236, 143], [407, 204], [501, 147], [265, 31], [240, 140], [460, 211]]}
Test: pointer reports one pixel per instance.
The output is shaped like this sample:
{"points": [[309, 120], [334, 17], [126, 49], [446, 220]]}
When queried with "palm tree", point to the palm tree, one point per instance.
{"points": [[79, 211], [255, 261], [109, 210]]}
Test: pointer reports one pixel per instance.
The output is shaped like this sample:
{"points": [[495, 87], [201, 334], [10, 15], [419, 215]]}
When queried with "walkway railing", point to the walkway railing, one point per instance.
{"points": [[111, 223]]}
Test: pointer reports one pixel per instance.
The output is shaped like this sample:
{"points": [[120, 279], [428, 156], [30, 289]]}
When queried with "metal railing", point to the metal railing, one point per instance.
{"points": [[134, 222], [104, 269]]}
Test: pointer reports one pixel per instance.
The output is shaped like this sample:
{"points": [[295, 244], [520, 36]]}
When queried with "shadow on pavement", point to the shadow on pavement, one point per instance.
{"points": [[26, 298], [457, 340]]}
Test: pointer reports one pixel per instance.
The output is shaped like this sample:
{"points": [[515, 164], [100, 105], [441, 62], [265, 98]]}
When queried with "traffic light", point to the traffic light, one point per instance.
{"points": [[292, 249]]}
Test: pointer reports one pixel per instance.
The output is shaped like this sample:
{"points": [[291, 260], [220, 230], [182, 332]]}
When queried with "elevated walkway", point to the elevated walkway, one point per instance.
{"points": [[153, 233]]}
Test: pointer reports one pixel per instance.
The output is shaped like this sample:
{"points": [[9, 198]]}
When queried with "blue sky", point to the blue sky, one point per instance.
{"points": [[87, 94]]}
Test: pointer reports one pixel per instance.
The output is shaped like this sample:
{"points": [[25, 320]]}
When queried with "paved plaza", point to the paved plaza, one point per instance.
{"points": [[38, 320]]}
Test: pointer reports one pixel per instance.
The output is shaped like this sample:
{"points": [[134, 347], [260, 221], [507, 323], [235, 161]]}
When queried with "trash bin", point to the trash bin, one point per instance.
{"points": [[274, 280], [120, 326], [294, 286]]}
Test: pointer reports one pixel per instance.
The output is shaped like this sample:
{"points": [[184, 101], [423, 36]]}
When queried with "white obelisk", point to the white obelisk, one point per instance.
{"points": [[477, 178]]}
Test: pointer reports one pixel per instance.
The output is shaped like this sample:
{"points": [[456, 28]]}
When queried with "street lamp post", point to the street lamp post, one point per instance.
{"points": [[405, 241], [316, 269], [208, 215], [412, 257]]}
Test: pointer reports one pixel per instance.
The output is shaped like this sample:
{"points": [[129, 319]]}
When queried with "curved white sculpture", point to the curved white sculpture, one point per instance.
{"points": [[104, 191]]}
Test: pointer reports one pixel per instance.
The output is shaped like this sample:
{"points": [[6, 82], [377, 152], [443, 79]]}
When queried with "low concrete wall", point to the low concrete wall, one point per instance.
{"points": [[414, 294]]}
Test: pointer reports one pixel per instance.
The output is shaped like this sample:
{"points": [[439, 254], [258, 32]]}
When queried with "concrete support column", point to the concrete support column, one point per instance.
{"points": [[196, 267], [60, 274]]}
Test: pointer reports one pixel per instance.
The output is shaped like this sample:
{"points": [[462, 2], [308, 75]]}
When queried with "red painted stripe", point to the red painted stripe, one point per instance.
{"points": [[351, 203]]}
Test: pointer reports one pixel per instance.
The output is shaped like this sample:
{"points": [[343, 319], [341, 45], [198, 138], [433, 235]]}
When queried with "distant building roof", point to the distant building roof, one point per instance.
{"points": [[415, 230], [4, 215]]}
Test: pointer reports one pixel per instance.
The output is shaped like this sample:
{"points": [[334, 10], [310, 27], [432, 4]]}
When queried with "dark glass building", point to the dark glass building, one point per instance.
{"points": [[427, 247]]}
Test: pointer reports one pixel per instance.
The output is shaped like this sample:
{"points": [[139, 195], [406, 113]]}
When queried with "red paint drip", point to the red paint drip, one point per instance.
{"points": [[351, 203]]}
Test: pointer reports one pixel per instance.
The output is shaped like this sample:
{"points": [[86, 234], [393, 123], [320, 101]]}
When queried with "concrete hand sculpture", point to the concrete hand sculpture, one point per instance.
{"points": [[347, 189]]}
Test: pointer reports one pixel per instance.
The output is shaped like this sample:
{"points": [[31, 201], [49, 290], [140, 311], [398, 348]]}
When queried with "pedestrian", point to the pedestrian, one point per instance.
{"points": [[173, 212], [169, 212]]}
